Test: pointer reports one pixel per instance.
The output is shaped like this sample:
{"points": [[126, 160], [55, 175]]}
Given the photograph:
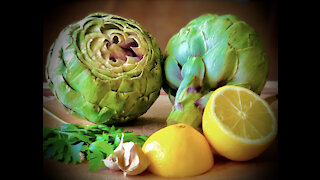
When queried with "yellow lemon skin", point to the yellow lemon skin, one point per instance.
{"points": [[227, 143], [178, 151]]}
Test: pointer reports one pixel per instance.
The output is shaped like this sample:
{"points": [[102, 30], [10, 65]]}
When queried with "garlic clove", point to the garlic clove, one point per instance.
{"points": [[129, 158], [135, 159]]}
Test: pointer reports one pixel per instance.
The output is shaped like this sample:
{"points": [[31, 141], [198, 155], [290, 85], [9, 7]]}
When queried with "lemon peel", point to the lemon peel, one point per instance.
{"points": [[178, 151]]}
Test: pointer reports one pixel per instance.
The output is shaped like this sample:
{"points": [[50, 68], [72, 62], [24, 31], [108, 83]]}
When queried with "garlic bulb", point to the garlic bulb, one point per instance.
{"points": [[129, 158]]}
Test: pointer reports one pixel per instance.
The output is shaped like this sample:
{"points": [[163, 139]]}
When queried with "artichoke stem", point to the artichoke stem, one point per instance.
{"points": [[191, 110], [190, 114], [186, 107]]}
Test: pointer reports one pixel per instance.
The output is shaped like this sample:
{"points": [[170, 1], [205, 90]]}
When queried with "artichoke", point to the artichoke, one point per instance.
{"points": [[105, 68], [209, 52]]}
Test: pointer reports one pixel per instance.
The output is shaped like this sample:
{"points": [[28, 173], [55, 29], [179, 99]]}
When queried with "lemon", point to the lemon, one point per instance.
{"points": [[178, 151], [238, 123]]}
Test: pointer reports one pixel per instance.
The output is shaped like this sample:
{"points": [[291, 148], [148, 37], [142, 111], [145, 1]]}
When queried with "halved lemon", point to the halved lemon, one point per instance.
{"points": [[178, 151], [238, 123]]}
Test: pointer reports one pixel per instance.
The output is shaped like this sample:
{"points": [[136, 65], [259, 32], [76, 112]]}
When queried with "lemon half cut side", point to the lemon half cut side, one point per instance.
{"points": [[238, 123]]}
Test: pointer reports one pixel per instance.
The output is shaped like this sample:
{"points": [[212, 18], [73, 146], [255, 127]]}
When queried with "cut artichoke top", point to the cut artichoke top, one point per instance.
{"points": [[110, 45]]}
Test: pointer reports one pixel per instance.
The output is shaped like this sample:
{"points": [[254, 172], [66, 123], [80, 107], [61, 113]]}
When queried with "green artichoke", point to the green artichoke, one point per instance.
{"points": [[105, 68], [210, 52]]}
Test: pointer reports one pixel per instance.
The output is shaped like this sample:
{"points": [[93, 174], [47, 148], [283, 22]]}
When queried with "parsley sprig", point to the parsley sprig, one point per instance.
{"points": [[95, 142]]}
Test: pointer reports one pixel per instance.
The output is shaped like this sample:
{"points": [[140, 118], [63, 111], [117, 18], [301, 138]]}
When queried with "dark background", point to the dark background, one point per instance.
{"points": [[164, 18]]}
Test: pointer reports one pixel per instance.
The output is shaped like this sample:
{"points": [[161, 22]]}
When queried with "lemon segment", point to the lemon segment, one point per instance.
{"points": [[238, 123]]}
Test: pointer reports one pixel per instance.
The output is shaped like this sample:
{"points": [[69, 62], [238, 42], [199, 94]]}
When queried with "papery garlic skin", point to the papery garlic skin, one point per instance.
{"points": [[111, 162], [135, 159]]}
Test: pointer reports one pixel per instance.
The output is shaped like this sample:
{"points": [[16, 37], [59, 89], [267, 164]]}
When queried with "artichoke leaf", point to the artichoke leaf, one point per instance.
{"points": [[173, 73], [221, 63]]}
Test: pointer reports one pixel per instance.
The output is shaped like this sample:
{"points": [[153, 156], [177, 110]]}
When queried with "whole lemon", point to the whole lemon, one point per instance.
{"points": [[178, 151]]}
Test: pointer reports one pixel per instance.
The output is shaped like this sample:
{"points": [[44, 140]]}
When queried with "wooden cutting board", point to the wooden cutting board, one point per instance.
{"points": [[263, 167]]}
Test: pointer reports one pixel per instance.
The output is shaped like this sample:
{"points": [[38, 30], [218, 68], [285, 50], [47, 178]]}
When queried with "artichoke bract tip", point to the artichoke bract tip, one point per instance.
{"points": [[209, 52], [105, 68]]}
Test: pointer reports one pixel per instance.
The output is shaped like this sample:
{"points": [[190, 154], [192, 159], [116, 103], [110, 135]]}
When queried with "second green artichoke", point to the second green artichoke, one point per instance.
{"points": [[105, 68], [209, 52]]}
